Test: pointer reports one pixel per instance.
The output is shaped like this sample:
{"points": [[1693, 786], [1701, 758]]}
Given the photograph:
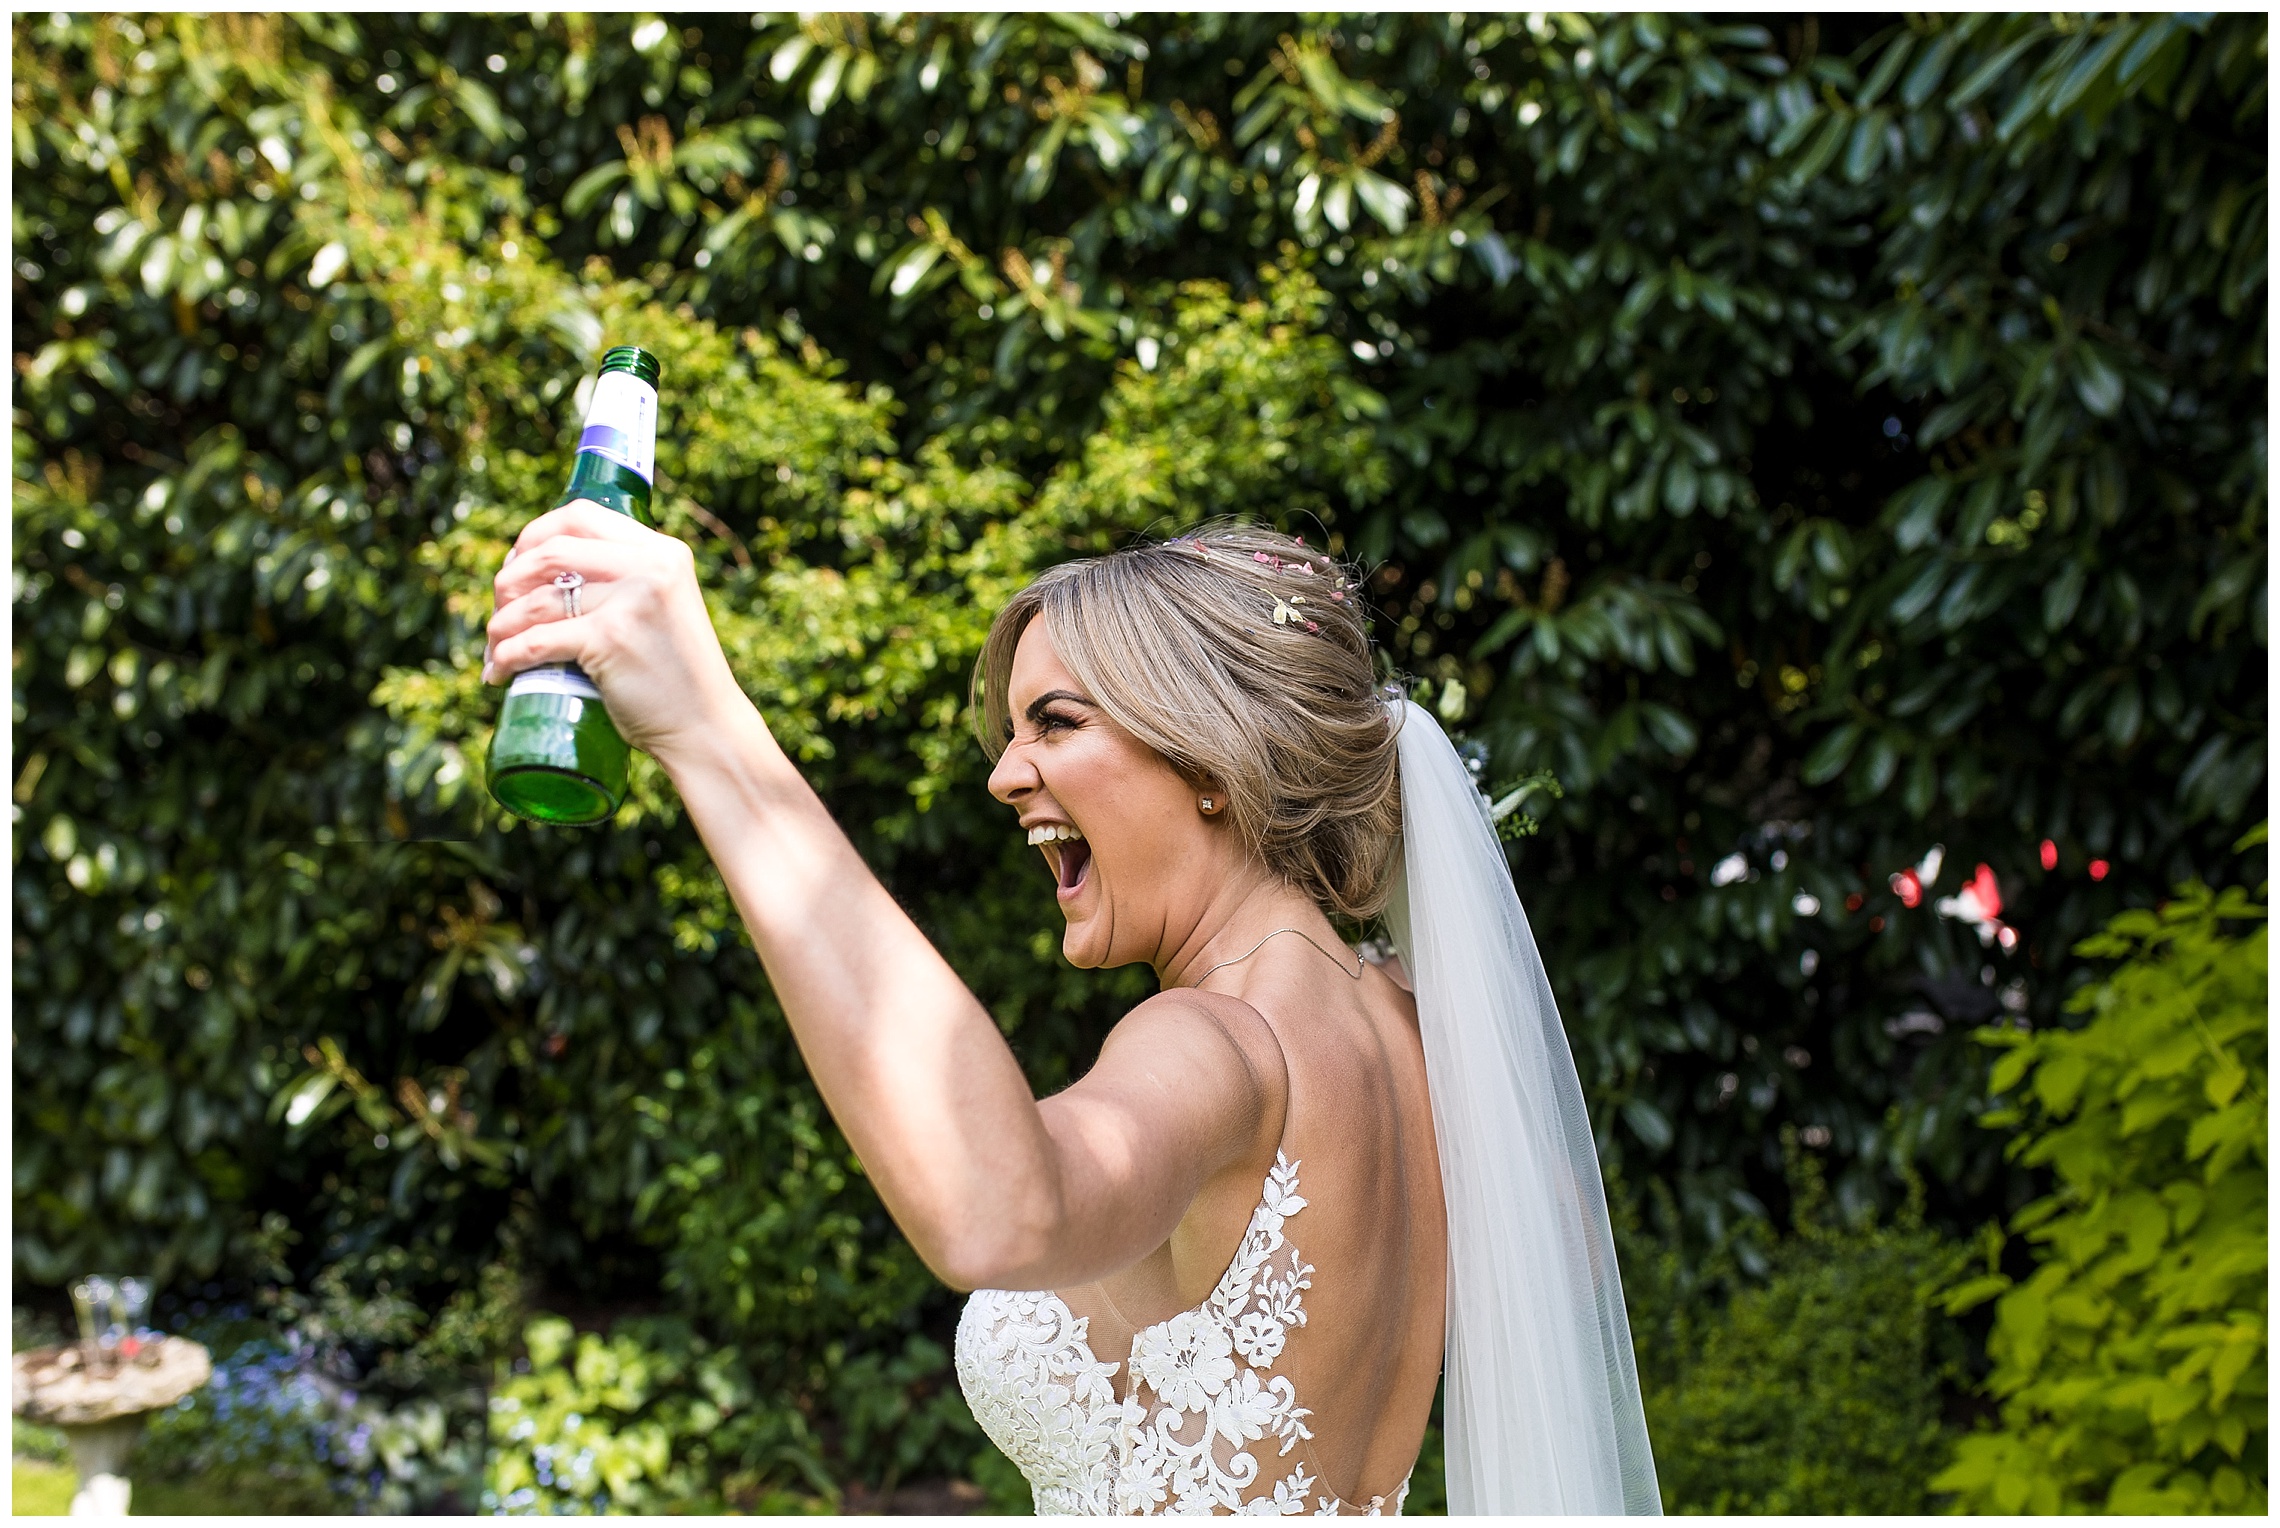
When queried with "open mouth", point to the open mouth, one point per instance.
{"points": [[1066, 851]]}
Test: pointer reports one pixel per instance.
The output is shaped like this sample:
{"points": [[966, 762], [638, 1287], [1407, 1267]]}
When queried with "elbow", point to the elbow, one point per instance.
{"points": [[993, 1251], [966, 1265]]}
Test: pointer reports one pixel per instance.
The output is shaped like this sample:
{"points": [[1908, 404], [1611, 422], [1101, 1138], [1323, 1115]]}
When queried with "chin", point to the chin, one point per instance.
{"points": [[1076, 948], [1087, 942]]}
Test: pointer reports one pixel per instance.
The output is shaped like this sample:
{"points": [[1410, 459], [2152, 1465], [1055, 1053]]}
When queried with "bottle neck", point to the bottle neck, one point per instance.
{"points": [[596, 477]]}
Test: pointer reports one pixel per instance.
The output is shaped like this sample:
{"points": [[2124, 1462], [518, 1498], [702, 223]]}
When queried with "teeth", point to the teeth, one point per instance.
{"points": [[1052, 833]]}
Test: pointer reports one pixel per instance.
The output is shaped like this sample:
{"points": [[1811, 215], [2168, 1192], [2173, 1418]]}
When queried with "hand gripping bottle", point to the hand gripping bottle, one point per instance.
{"points": [[556, 757]]}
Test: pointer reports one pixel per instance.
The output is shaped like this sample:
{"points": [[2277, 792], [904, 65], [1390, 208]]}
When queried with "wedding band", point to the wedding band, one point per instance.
{"points": [[569, 584]]}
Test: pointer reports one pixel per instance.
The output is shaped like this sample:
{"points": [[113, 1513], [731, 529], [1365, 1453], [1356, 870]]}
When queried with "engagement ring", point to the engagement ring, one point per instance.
{"points": [[569, 584]]}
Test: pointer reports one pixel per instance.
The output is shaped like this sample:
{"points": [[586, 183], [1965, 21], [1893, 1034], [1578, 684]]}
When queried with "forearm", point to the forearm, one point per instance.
{"points": [[910, 1063]]}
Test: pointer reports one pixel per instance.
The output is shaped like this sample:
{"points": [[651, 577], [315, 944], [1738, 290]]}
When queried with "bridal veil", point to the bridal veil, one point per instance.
{"points": [[1541, 1407]]}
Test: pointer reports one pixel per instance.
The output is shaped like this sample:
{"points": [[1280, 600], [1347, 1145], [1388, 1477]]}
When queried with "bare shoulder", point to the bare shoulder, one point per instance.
{"points": [[1208, 1027], [1189, 1084], [1199, 1057]]}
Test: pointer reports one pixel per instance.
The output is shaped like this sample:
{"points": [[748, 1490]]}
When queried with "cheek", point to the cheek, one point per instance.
{"points": [[1143, 838], [1126, 809]]}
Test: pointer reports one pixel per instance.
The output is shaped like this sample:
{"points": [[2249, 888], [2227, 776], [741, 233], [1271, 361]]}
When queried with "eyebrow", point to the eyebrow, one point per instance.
{"points": [[1036, 711]]}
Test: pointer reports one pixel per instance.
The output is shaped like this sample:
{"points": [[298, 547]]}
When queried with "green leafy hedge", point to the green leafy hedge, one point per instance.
{"points": [[1824, 1388], [2131, 1364], [1809, 442], [631, 1422]]}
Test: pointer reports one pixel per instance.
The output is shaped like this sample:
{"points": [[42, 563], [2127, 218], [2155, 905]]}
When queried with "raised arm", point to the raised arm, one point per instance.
{"points": [[992, 1187]]}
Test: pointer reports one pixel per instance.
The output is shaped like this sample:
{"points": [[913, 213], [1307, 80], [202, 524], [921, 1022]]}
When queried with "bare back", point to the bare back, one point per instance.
{"points": [[1285, 1342]]}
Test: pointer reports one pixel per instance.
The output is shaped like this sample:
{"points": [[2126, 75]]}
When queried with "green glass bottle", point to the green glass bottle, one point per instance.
{"points": [[556, 757]]}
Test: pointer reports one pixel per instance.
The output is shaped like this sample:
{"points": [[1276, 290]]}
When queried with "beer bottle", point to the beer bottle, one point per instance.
{"points": [[556, 757]]}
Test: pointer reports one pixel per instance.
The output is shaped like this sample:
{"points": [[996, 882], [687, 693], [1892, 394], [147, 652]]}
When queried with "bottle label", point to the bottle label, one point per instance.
{"points": [[621, 423], [554, 679]]}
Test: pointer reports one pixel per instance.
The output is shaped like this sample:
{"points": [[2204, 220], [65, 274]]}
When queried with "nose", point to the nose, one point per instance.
{"points": [[1014, 777]]}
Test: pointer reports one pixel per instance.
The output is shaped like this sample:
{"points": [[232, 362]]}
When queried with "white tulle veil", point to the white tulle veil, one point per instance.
{"points": [[1541, 1404]]}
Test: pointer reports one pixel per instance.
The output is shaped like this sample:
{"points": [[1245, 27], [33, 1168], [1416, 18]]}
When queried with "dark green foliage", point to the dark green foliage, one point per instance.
{"points": [[2131, 1363], [1808, 447], [1821, 1390]]}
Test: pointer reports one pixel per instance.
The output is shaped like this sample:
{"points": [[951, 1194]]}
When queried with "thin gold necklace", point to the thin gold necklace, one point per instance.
{"points": [[1356, 974]]}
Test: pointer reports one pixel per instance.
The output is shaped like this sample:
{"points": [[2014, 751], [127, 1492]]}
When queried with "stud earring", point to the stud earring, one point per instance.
{"points": [[1209, 805]]}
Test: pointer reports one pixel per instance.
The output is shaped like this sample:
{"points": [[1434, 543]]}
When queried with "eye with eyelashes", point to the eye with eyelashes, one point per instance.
{"points": [[1040, 727], [1046, 718]]}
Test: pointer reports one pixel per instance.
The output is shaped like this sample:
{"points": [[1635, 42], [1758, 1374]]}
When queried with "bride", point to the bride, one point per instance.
{"points": [[1225, 1270]]}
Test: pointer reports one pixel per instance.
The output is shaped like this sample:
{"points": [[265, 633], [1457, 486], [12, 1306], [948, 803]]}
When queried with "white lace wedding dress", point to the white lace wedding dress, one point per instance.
{"points": [[1206, 1415]]}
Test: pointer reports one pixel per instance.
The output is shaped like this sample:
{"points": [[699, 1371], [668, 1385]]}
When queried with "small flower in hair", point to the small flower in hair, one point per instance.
{"points": [[1286, 611]]}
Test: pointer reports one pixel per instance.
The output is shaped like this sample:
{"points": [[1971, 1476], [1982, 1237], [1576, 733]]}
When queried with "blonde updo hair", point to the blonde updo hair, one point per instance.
{"points": [[1240, 655]]}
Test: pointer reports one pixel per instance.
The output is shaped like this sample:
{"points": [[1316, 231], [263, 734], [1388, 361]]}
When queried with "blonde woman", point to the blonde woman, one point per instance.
{"points": [[1223, 1271]]}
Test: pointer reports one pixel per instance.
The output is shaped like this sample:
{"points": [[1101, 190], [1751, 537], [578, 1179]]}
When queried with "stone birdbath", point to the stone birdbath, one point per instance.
{"points": [[101, 1407]]}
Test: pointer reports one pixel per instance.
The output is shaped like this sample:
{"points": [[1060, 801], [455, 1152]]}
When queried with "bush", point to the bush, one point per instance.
{"points": [[1821, 1389], [650, 1419], [288, 1424], [2131, 1364]]}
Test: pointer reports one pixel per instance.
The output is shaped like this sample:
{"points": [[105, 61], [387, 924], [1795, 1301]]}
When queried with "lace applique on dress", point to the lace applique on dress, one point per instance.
{"points": [[1031, 1377], [1204, 1423]]}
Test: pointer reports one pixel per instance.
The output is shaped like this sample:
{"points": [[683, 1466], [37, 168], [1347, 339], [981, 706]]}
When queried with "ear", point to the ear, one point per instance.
{"points": [[1210, 796]]}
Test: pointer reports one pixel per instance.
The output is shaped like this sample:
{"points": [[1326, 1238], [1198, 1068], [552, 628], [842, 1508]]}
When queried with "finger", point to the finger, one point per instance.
{"points": [[580, 517], [541, 605], [595, 561], [540, 642]]}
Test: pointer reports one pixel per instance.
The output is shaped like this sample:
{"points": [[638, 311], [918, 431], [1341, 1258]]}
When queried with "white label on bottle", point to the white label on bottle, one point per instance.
{"points": [[555, 679], [621, 423]]}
